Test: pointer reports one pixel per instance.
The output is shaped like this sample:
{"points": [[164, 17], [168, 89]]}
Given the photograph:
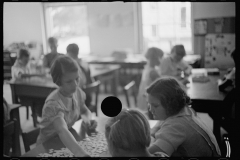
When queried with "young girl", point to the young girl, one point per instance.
{"points": [[150, 73], [22, 68], [64, 106], [128, 135], [174, 65], [182, 133]]}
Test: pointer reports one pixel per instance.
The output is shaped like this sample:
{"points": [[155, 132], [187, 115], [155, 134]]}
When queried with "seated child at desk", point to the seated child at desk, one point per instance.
{"points": [[22, 67], [64, 106], [128, 135], [182, 133], [149, 74], [174, 65]]}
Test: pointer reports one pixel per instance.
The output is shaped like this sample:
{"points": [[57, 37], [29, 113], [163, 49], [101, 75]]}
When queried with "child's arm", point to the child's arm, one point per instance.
{"points": [[186, 68], [67, 138]]}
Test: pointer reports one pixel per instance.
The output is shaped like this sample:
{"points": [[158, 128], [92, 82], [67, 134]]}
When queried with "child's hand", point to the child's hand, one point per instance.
{"points": [[90, 128]]}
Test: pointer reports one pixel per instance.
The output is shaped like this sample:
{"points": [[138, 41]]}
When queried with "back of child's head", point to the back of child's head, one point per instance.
{"points": [[63, 64], [23, 53], [73, 49], [154, 53], [129, 131], [179, 50], [52, 40]]}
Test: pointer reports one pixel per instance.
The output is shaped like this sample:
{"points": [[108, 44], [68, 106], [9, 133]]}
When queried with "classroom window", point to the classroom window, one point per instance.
{"points": [[166, 24], [68, 23]]}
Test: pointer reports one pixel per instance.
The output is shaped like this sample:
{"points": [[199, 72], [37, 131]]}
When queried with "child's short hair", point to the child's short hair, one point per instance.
{"points": [[23, 53], [128, 131], [63, 64], [52, 40], [154, 53], [170, 93], [179, 50], [73, 48]]}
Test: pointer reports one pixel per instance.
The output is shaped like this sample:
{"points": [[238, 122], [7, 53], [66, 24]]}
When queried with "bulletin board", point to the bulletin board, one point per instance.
{"points": [[218, 49]]}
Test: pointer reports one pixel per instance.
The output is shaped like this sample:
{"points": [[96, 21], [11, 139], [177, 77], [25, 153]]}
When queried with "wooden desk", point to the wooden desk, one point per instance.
{"points": [[56, 144], [34, 91]]}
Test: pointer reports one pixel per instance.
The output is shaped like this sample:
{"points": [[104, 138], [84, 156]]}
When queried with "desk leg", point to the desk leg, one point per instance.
{"points": [[115, 83]]}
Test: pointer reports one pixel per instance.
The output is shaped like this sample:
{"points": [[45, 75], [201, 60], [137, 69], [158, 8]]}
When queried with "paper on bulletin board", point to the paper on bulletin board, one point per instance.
{"points": [[200, 27], [218, 49]]}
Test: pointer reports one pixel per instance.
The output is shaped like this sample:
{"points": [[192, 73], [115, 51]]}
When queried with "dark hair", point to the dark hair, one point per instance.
{"points": [[179, 49], [61, 65], [153, 53], [23, 53], [52, 40], [170, 93], [73, 48], [128, 131]]}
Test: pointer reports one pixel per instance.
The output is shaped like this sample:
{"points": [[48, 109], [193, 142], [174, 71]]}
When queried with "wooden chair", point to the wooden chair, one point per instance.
{"points": [[90, 89], [11, 138], [130, 87], [30, 138]]}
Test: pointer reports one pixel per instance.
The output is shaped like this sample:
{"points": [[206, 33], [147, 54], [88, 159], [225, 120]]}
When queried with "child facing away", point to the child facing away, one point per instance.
{"points": [[174, 65], [128, 135], [149, 74], [22, 67], [64, 106]]}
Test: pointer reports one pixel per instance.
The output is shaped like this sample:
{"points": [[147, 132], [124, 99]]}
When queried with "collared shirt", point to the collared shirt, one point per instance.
{"points": [[185, 135], [57, 105], [50, 58]]}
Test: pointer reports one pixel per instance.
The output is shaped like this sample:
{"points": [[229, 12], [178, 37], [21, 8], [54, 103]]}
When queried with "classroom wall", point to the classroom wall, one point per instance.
{"points": [[21, 22], [110, 27]]}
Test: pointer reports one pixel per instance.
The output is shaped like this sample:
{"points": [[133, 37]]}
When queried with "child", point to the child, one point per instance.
{"points": [[174, 65], [50, 57], [22, 68], [182, 133], [84, 70], [150, 73], [128, 135], [64, 106]]}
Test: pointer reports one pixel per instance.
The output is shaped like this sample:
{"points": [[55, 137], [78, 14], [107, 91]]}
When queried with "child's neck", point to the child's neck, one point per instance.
{"points": [[65, 94]]}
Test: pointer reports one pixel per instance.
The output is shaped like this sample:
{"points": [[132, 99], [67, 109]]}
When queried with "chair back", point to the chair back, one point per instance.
{"points": [[11, 136], [130, 88], [30, 138], [226, 147], [90, 89]]}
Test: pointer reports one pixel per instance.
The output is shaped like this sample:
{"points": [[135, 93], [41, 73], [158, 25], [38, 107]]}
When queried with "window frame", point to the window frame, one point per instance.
{"points": [[47, 21], [140, 28]]}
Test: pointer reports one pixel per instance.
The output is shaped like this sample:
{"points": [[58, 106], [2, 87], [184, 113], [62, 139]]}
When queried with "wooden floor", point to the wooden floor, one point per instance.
{"points": [[27, 125]]}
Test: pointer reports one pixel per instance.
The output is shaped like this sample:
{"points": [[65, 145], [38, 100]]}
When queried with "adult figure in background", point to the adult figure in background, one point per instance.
{"points": [[149, 74], [84, 70], [182, 133], [50, 57], [174, 65]]}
